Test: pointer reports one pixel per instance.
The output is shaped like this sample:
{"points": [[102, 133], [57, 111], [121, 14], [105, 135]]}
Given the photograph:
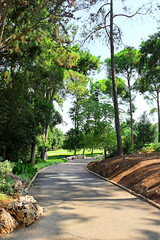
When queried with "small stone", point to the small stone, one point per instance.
{"points": [[18, 185]]}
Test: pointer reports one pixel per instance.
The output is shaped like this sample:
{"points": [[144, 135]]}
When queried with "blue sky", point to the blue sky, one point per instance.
{"points": [[134, 31]]}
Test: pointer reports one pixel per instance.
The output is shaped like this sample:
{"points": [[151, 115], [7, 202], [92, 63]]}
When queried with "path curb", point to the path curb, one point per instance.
{"points": [[126, 189], [34, 178]]}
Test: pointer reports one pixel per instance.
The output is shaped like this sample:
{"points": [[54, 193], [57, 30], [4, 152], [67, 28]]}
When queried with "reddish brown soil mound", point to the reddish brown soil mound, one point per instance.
{"points": [[139, 172]]}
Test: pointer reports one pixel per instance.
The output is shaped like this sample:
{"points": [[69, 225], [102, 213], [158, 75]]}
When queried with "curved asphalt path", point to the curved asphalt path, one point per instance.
{"points": [[78, 205]]}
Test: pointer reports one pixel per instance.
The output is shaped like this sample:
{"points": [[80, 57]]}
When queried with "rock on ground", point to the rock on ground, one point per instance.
{"points": [[25, 210], [7, 222]]}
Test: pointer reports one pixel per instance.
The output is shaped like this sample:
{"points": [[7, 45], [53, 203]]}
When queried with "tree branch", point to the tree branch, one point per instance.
{"points": [[7, 42], [137, 12], [102, 7], [94, 31], [4, 22]]}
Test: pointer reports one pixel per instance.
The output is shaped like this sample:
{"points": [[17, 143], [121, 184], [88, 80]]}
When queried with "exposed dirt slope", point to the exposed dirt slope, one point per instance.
{"points": [[139, 172]]}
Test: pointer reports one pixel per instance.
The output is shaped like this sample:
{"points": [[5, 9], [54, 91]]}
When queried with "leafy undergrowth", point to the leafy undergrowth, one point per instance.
{"points": [[52, 160], [139, 172]]}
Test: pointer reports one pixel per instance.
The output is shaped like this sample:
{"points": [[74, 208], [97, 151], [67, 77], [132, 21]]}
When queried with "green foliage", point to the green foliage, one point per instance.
{"points": [[126, 139], [106, 87], [5, 181], [152, 147], [34, 57], [50, 162], [149, 70], [6, 184], [24, 16], [126, 62], [92, 118], [72, 139], [55, 138], [5, 167], [144, 132], [86, 62], [149, 62], [24, 168], [147, 149], [155, 146]]}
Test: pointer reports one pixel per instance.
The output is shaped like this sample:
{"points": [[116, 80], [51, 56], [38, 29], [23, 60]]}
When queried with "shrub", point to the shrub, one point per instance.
{"points": [[152, 147], [6, 167], [156, 147], [40, 160], [147, 149], [6, 182], [24, 168]]}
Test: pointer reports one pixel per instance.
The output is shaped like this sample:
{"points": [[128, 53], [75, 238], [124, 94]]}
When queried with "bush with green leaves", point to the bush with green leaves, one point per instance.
{"points": [[6, 167], [6, 182], [147, 149], [152, 147], [24, 168], [155, 146], [144, 132]]}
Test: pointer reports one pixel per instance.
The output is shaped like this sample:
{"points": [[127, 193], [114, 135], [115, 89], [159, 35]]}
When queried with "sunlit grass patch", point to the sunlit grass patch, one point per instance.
{"points": [[70, 153], [58, 156]]}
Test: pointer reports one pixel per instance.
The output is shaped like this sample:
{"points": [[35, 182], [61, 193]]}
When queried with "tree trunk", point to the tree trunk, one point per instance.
{"points": [[84, 150], [105, 153], [75, 151], [42, 153], [44, 150], [45, 153], [92, 151], [3, 21], [131, 115], [33, 152], [117, 123], [158, 115], [4, 154]]}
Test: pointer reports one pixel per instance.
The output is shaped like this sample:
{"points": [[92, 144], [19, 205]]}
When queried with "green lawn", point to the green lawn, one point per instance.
{"points": [[70, 153], [56, 157]]}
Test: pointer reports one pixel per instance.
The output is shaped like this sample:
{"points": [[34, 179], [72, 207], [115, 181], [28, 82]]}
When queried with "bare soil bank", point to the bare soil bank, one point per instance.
{"points": [[138, 172]]}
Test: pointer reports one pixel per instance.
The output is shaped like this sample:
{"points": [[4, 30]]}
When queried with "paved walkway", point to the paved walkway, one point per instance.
{"points": [[78, 205]]}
